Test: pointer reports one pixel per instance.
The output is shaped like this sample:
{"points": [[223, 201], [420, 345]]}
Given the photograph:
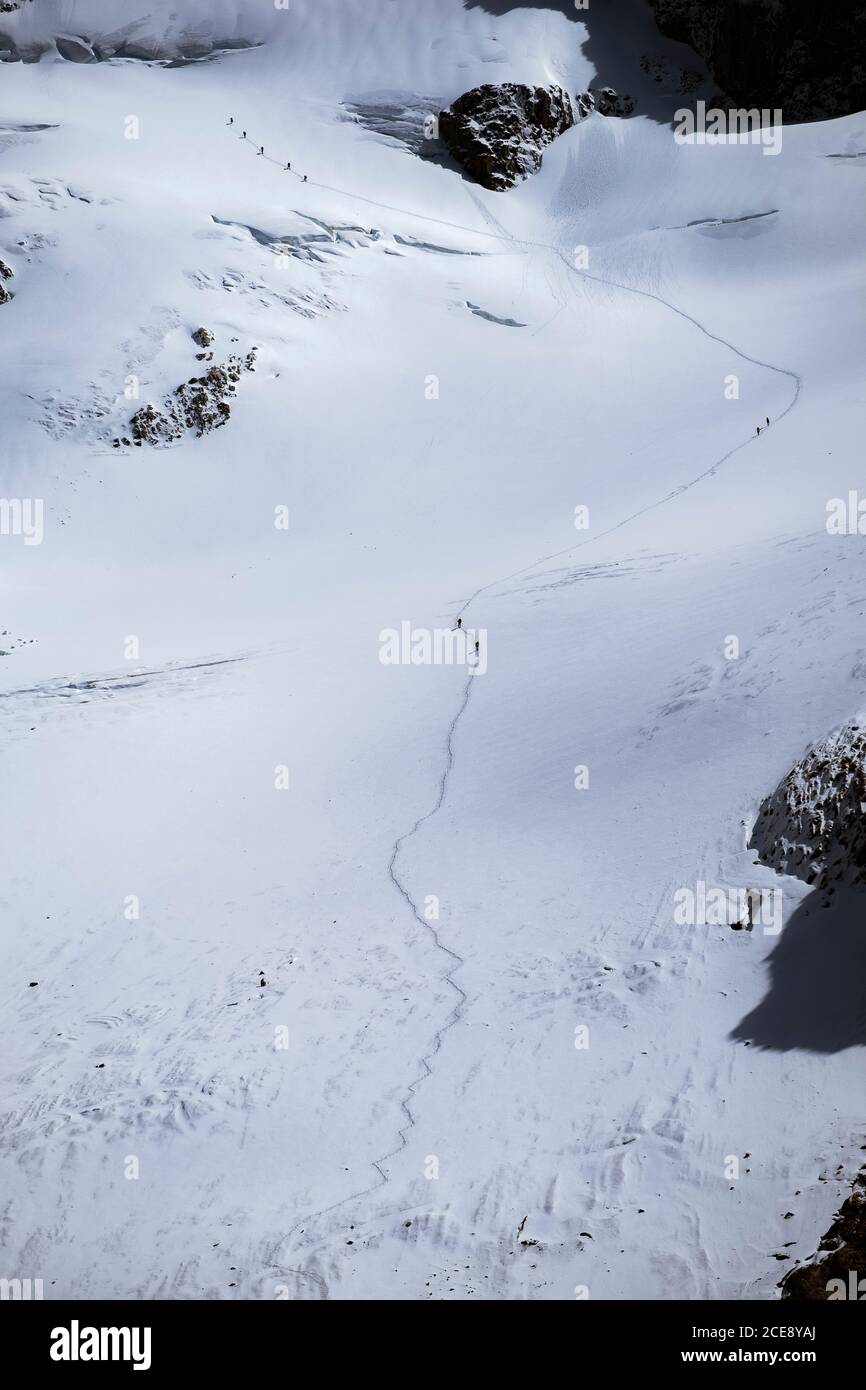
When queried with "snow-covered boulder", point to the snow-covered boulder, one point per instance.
{"points": [[498, 132], [813, 826]]}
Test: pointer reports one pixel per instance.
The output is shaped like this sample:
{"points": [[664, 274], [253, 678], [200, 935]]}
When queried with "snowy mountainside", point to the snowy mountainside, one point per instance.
{"points": [[382, 994]]}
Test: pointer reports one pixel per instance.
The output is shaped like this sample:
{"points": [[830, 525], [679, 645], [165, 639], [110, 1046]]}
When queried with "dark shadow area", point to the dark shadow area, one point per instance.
{"points": [[399, 119], [621, 40], [806, 58], [817, 996], [436, 152]]}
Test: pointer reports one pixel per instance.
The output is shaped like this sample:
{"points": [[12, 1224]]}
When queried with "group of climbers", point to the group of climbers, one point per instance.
{"points": [[460, 629], [261, 150]]}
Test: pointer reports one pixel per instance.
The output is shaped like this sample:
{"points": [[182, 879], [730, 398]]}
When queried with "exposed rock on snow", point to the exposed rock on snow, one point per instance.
{"points": [[203, 337], [805, 58], [5, 274], [830, 1278], [498, 132], [201, 404], [606, 101], [813, 826]]}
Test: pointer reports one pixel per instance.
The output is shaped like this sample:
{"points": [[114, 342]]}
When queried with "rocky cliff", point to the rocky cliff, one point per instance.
{"points": [[807, 59], [842, 1252], [813, 826]]}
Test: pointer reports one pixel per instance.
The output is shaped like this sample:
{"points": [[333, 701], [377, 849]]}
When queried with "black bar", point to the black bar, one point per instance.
{"points": [[269, 1338]]}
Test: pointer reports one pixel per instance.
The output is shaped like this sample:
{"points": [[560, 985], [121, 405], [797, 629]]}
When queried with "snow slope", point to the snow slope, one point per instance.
{"points": [[432, 1128]]}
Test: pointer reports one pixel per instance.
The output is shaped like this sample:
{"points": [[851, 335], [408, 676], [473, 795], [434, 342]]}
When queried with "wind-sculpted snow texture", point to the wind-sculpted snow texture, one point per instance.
{"points": [[327, 976]]}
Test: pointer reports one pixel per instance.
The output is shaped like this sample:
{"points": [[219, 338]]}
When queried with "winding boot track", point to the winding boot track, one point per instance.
{"points": [[455, 960]]}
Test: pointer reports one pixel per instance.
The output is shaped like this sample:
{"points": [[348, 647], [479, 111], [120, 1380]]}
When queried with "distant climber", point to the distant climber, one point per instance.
{"points": [[768, 419], [305, 178], [261, 149], [243, 135], [758, 430], [289, 165], [477, 645], [459, 622], [230, 121]]}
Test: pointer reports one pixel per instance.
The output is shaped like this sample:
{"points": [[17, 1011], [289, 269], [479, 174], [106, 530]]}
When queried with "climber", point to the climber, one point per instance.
{"points": [[230, 121], [758, 430], [477, 644], [261, 149], [768, 419], [243, 135], [459, 622], [289, 165], [305, 178]]}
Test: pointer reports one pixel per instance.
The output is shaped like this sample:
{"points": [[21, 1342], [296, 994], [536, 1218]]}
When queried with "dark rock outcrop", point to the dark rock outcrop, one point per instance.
{"points": [[829, 1279], [604, 100], [498, 132], [813, 825], [5, 274], [807, 59], [201, 405]]}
